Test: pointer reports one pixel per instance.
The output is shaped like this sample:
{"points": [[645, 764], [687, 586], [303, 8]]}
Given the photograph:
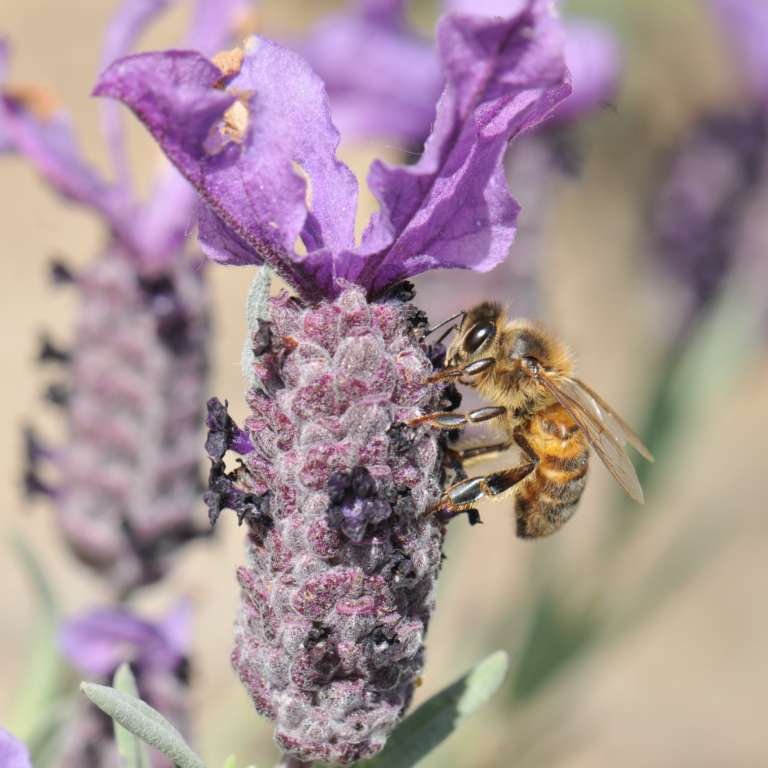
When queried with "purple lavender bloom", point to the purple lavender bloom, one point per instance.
{"points": [[13, 754], [745, 24], [709, 208], [333, 484], [96, 644], [699, 210], [133, 385], [383, 78]]}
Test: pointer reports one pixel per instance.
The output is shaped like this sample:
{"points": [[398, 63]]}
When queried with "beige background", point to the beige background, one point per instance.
{"points": [[685, 688]]}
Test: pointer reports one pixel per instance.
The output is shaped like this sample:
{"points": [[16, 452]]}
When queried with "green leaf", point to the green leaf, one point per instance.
{"points": [[231, 762], [133, 753], [35, 717], [141, 720], [435, 720]]}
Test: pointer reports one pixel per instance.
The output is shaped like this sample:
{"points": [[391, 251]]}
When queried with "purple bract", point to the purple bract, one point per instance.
{"points": [[13, 754], [239, 137]]}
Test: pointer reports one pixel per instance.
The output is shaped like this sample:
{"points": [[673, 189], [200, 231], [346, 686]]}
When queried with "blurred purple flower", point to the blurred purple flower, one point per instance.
{"points": [[709, 207], [333, 484], [127, 475], [745, 25], [96, 644], [383, 79], [710, 180], [13, 754]]}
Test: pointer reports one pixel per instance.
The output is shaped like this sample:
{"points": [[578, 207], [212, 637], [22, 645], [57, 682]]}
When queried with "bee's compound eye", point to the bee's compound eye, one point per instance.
{"points": [[478, 335]]}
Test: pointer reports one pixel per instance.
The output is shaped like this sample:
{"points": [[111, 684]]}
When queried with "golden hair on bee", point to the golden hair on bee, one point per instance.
{"points": [[551, 416]]}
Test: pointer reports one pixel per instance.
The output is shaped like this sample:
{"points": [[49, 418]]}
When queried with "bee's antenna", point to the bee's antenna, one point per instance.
{"points": [[430, 331]]}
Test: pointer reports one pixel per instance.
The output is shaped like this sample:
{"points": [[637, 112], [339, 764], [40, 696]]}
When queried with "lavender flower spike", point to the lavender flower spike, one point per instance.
{"points": [[13, 754], [333, 484], [96, 644], [133, 384]]}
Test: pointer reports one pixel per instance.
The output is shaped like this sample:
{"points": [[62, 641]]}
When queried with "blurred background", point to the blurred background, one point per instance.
{"points": [[637, 634]]}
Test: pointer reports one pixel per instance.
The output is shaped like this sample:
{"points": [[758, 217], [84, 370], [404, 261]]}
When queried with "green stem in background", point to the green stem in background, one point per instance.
{"points": [[35, 716], [694, 377], [292, 762]]}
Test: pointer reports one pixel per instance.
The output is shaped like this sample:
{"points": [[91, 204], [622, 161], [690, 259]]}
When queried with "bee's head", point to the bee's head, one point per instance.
{"points": [[477, 336]]}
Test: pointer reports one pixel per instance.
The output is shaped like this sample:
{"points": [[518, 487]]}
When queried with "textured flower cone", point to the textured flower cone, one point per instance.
{"points": [[343, 560], [129, 470]]}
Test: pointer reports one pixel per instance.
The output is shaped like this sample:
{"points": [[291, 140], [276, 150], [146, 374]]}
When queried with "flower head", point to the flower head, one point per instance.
{"points": [[96, 644], [126, 480], [334, 485], [13, 754]]}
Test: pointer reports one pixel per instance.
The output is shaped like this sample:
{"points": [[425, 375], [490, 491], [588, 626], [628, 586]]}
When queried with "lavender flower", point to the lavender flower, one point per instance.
{"points": [[126, 480], [96, 644], [333, 484], [699, 208], [13, 754], [708, 211]]}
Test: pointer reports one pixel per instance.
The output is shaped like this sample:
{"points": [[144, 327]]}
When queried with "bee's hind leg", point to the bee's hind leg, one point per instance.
{"points": [[462, 496]]}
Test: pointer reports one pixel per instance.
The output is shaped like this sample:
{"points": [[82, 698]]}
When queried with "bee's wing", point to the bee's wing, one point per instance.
{"points": [[608, 446], [618, 427]]}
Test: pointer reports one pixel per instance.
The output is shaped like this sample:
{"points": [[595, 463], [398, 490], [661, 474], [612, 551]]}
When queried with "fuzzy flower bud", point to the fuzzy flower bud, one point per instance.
{"points": [[342, 557], [128, 474]]}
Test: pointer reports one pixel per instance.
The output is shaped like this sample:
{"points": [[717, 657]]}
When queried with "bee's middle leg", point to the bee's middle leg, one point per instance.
{"points": [[453, 420], [461, 496]]}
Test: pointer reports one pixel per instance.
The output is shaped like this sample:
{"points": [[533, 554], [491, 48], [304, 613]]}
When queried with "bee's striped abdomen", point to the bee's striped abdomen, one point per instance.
{"points": [[547, 498]]}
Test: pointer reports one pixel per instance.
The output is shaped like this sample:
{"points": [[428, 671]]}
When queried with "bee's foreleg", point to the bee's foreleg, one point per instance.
{"points": [[453, 420], [470, 369], [465, 494]]}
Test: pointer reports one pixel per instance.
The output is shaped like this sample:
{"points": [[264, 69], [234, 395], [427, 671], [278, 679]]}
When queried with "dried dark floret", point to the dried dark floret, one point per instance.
{"points": [[59, 394], [60, 273], [223, 433], [50, 353]]}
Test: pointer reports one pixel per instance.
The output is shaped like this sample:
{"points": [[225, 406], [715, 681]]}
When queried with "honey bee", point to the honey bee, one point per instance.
{"points": [[553, 417]]}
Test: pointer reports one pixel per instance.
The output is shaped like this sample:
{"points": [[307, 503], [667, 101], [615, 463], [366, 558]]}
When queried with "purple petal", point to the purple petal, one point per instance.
{"points": [[13, 754], [745, 22], [255, 192], [47, 141], [594, 60], [164, 222], [126, 27], [453, 208], [102, 639], [214, 24], [382, 81], [176, 628], [387, 13]]}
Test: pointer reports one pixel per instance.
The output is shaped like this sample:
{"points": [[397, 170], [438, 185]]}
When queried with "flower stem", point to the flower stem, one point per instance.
{"points": [[292, 762]]}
